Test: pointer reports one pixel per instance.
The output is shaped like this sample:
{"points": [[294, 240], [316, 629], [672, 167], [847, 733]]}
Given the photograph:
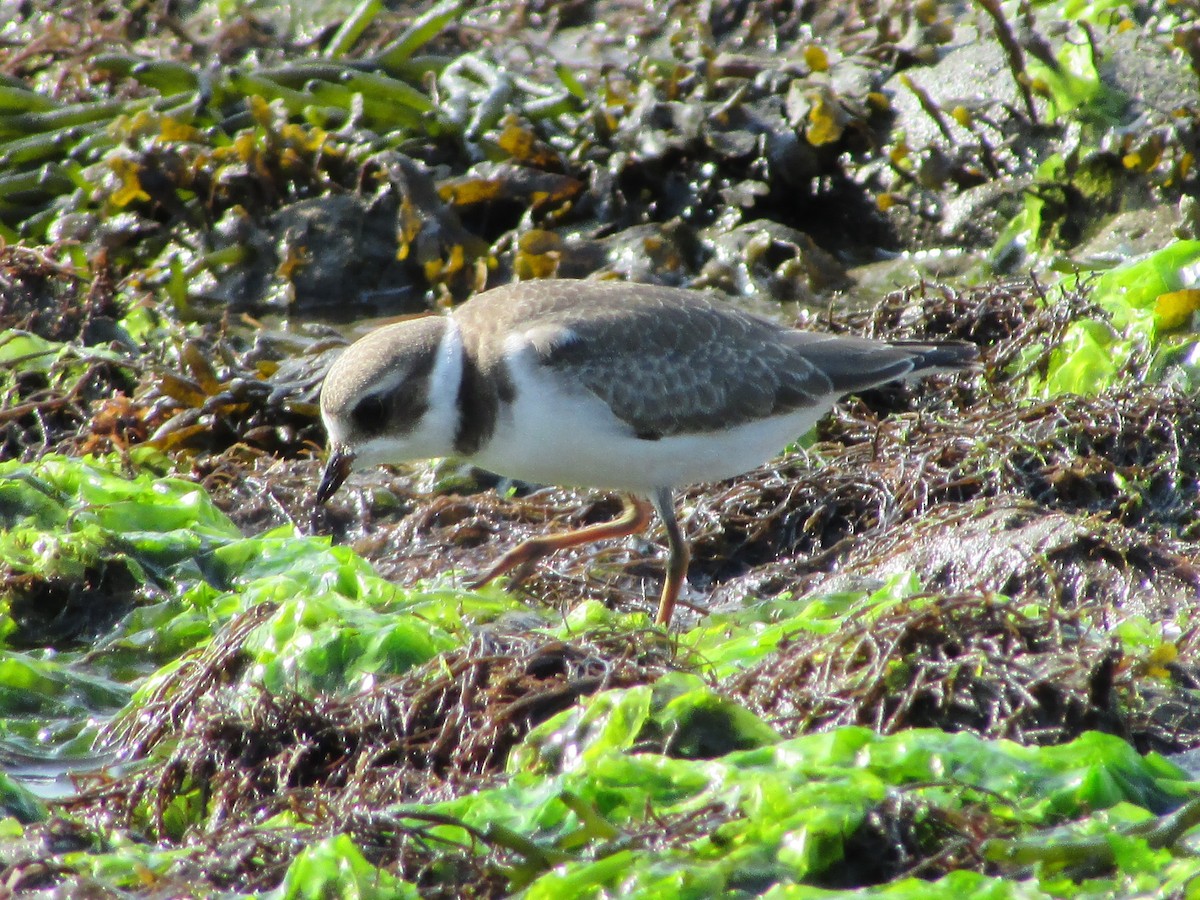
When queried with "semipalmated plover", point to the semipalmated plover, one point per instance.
{"points": [[628, 387]]}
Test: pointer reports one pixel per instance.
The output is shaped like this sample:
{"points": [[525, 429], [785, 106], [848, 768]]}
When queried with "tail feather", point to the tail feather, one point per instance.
{"points": [[943, 356], [855, 364]]}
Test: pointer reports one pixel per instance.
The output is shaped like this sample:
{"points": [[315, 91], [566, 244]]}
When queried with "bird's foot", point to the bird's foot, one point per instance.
{"points": [[521, 558], [517, 562]]}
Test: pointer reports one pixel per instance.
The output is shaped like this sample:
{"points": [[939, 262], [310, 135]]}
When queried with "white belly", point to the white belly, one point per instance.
{"points": [[552, 436]]}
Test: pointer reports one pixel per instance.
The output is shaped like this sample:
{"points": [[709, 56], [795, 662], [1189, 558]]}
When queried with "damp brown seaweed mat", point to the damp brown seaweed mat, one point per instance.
{"points": [[355, 764], [972, 662], [433, 732]]}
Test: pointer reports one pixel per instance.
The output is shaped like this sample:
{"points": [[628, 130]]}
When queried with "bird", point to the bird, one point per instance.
{"points": [[632, 388]]}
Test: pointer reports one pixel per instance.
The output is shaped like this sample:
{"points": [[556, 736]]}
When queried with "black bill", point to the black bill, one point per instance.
{"points": [[337, 468]]}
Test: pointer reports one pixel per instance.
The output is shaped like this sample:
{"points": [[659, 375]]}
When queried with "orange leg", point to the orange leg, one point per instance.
{"points": [[634, 518]]}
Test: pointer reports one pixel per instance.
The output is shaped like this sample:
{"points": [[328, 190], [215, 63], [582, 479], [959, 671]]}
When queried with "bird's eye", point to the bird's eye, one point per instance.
{"points": [[370, 414]]}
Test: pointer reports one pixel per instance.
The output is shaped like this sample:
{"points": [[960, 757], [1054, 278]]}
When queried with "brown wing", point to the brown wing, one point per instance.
{"points": [[697, 370], [670, 361]]}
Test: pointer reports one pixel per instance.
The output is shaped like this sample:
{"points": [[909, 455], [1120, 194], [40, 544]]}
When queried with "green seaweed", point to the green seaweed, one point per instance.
{"points": [[787, 808], [335, 867], [582, 807], [334, 622], [1093, 354]]}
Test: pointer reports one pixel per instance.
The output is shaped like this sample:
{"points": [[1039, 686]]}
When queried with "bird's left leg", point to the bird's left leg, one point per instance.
{"points": [[634, 518]]}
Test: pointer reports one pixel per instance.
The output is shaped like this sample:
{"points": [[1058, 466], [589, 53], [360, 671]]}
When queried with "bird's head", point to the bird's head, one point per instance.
{"points": [[389, 399]]}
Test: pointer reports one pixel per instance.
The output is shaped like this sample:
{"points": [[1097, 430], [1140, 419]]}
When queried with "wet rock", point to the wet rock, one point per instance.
{"points": [[1029, 552], [767, 259], [976, 216], [971, 72], [653, 254], [1154, 82], [340, 250], [1128, 235]]}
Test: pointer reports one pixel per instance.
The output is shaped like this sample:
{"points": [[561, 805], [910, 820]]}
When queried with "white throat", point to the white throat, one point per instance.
{"points": [[433, 435], [440, 421]]}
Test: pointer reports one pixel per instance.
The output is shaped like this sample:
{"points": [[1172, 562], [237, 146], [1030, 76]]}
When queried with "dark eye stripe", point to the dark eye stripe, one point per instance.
{"points": [[407, 409], [370, 414]]}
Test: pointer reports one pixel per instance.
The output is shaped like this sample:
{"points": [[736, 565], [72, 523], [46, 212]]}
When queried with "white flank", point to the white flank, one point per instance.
{"points": [[557, 432]]}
